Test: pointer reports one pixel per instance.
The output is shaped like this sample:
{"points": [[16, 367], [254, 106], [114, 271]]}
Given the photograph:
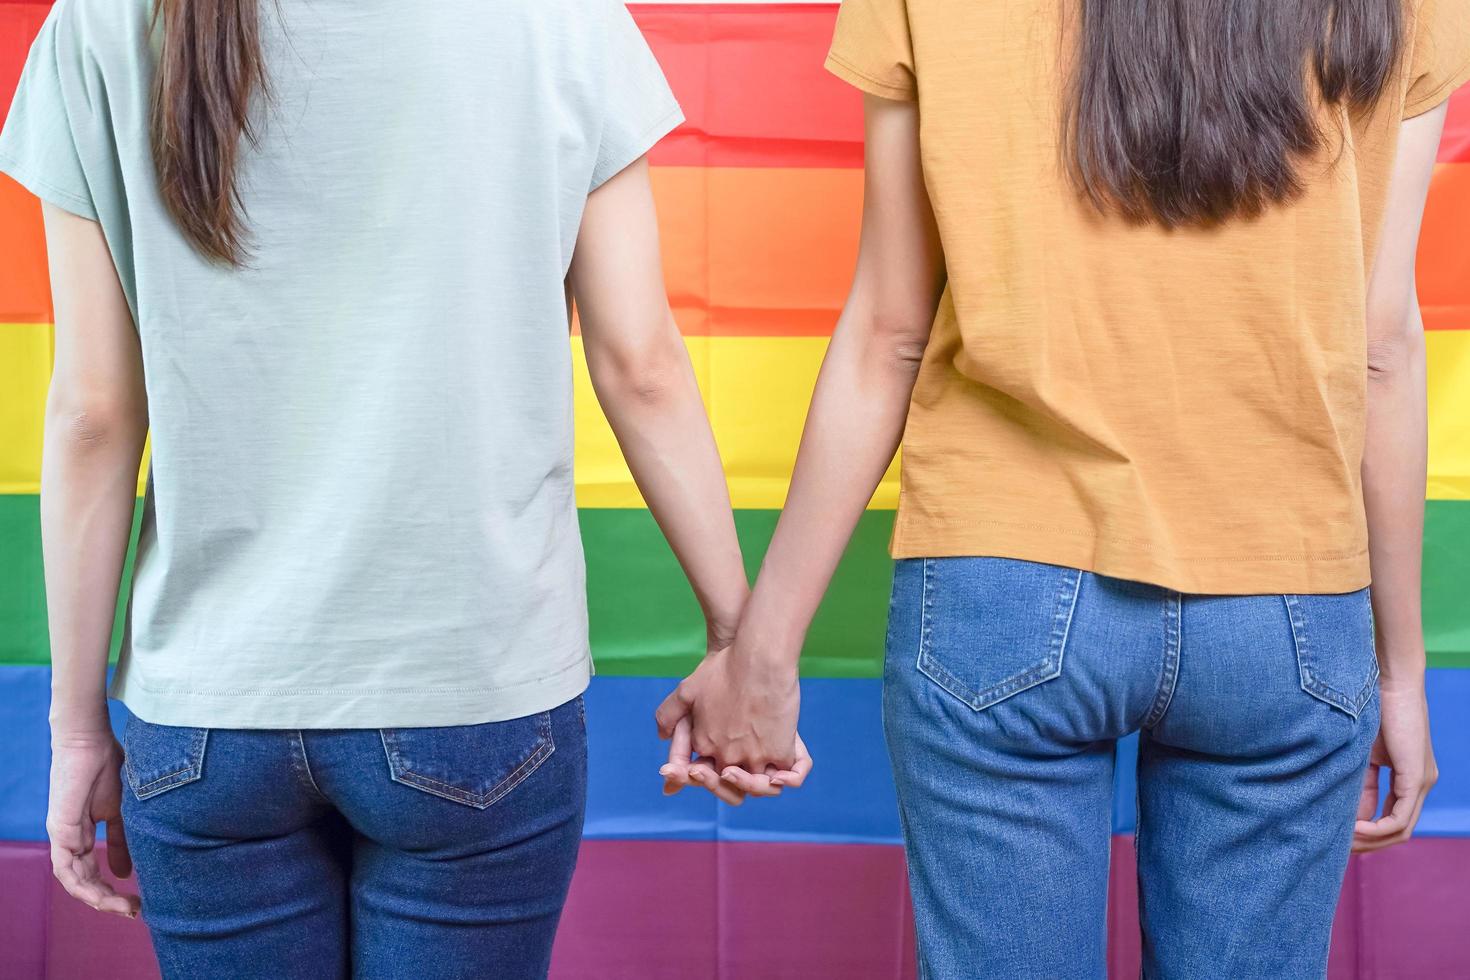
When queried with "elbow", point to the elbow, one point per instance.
{"points": [[900, 341], [647, 374], [1395, 347], [651, 385], [906, 353], [95, 425]]}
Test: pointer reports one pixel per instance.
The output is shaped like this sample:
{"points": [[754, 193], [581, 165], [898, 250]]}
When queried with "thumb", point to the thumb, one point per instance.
{"points": [[674, 707]]}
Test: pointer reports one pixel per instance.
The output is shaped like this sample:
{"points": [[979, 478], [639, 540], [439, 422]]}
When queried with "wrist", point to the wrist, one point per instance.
{"points": [[1401, 658], [775, 629], [722, 620], [722, 596], [768, 647], [1401, 675], [83, 721], [81, 738]]}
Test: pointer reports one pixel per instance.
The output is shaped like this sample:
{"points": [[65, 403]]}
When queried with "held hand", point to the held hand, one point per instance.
{"points": [[1403, 745], [733, 784], [86, 787], [683, 770], [742, 711], [773, 779], [739, 714]]}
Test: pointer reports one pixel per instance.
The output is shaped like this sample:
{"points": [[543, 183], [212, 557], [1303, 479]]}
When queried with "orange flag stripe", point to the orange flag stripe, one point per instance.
{"points": [[767, 251]]}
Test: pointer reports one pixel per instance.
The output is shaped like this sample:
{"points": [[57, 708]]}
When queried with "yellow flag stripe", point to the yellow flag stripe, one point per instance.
{"points": [[1449, 414], [25, 373], [757, 390]]}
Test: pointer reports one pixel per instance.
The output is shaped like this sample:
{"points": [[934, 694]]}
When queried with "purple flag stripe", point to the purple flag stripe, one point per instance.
{"points": [[680, 910]]}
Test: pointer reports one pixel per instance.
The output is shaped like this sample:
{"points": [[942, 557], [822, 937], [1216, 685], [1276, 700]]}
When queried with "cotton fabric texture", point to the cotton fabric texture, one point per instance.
{"points": [[360, 508], [1184, 408]]}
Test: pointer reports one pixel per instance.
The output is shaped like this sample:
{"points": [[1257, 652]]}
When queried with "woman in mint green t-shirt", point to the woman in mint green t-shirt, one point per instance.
{"points": [[320, 252]]}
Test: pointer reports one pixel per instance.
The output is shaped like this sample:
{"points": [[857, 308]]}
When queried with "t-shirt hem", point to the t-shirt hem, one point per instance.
{"points": [[857, 78], [32, 181], [346, 707], [1439, 93], [1327, 573]]}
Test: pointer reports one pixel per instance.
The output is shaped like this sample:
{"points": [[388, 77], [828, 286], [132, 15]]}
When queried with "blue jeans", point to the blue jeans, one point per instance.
{"points": [[1006, 687], [410, 852]]}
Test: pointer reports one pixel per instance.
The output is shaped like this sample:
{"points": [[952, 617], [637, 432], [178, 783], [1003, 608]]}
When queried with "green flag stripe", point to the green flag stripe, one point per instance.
{"points": [[645, 620]]}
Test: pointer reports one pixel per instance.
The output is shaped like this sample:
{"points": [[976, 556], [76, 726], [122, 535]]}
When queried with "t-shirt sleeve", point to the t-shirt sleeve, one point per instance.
{"points": [[639, 109], [38, 146], [1439, 61], [872, 49]]}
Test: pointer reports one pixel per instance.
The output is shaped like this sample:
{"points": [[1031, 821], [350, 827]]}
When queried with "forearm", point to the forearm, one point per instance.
{"points": [[1394, 466], [88, 487], [852, 431], [656, 412]]}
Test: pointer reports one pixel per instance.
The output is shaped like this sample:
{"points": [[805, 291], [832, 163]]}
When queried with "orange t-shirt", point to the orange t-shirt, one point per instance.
{"points": [[1181, 407]]}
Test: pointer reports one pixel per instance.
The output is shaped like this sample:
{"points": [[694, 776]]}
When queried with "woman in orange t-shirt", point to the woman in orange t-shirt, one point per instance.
{"points": [[1136, 288]]}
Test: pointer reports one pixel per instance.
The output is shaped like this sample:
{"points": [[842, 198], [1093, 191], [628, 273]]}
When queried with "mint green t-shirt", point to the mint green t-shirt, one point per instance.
{"points": [[360, 510]]}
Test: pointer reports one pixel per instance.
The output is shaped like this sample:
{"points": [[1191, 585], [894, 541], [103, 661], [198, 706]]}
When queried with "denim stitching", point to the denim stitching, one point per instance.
{"points": [[389, 752], [1169, 671], [1369, 686], [168, 779], [1048, 669], [1062, 621], [1302, 645], [924, 600], [1300, 637], [400, 773], [303, 766], [194, 770], [476, 800]]}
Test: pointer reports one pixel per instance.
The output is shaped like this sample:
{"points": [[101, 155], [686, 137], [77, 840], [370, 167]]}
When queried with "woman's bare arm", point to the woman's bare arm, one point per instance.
{"points": [[1394, 465], [96, 423], [641, 372], [744, 702]]}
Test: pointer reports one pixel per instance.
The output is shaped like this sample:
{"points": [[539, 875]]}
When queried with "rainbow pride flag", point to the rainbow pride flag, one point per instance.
{"points": [[759, 198]]}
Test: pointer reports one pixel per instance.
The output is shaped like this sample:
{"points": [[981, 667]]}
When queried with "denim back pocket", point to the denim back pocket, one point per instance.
{"points": [[161, 757], [1335, 652], [993, 627], [476, 765]]}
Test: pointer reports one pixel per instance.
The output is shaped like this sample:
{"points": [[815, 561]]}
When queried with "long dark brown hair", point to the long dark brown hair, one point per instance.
{"points": [[208, 75], [1195, 111]]}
